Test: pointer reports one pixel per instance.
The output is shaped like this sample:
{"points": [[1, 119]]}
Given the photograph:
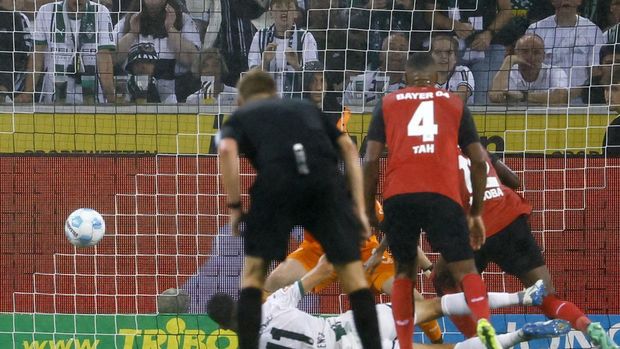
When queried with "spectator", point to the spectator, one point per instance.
{"points": [[593, 91], [282, 47], [611, 141], [367, 88], [16, 60], [611, 24], [74, 40], [524, 13], [141, 84], [524, 77], [454, 78], [370, 25], [235, 35], [571, 41], [212, 89], [173, 301], [475, 22], [172, 32]]}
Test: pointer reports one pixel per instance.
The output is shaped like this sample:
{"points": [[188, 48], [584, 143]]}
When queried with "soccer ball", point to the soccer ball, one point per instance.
{"points": [[84, 227]]}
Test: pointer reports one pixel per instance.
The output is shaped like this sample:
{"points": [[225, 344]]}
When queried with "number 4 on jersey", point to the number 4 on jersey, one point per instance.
{"points": [[422, 122]]}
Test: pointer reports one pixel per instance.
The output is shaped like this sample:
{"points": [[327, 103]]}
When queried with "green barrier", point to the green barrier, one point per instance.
{"points": [[512, 132], [43, 331]]}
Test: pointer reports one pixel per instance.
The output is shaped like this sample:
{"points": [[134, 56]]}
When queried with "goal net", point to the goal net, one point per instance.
{"points": [[152, 171]]}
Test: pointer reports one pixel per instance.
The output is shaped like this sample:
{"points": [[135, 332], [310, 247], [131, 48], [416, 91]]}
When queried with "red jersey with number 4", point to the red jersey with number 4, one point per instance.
{"points": [[502, 205], [422, 130]]}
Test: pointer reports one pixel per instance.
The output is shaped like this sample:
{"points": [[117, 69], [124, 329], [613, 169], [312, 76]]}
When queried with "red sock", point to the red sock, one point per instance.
{"points": [[402, 309], [465, 323], [476, 296], [556, 308]]}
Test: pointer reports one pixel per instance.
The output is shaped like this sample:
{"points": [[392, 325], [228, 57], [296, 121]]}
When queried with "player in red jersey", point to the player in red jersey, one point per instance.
{"points": [[422, 127], [512, 247]]}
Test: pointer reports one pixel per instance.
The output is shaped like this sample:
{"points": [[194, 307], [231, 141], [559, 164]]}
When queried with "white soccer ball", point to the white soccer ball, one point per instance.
{"points": [[84, 227]]}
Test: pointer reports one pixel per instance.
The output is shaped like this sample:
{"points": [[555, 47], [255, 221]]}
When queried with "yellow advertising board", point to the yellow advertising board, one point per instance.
{"points": [[512, 132]]}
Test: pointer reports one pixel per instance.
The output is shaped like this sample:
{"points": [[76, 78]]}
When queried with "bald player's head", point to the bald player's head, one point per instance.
{"points": [[421, 70], [531, 49]]}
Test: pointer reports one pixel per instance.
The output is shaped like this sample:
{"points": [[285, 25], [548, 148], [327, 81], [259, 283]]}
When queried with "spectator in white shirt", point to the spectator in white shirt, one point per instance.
{"points": [[74, 41], [367, 88], [454, 78], [213, 89], [571, 42], [524, 77], [283, 49]]}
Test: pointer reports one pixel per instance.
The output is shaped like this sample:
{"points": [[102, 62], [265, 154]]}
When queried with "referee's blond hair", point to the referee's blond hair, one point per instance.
{"points": [[255, 82]]}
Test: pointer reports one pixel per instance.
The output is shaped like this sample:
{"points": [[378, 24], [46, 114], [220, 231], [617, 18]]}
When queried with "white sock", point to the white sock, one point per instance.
{"points": [[503, 299], [507, 340], [455, 304]]}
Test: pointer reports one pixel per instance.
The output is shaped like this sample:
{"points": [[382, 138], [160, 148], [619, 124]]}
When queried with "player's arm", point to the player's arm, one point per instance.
{"points": [[469, 141], [350, 156], [321, 272], [228, 151], [374, 148], [505, 174]]}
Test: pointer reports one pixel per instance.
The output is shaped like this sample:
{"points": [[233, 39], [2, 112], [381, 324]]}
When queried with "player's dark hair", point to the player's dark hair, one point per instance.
{"points": [[221, 309], [420, 61], [255, 82]]}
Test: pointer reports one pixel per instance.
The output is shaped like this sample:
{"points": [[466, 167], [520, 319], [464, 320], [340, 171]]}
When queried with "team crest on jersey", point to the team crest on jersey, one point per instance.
{"points": [[89, 30], [320, 340]]}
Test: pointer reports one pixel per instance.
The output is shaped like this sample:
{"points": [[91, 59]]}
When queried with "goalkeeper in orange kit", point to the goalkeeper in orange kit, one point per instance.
{"points": [[380, 274]]}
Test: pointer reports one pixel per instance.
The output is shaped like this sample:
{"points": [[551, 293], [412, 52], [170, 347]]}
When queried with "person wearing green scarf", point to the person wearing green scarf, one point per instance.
{"points": [[74, 41]]}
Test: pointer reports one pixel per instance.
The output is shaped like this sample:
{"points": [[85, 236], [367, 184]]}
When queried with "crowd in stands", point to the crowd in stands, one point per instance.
{"points": [[549, 52], [504, 52]]}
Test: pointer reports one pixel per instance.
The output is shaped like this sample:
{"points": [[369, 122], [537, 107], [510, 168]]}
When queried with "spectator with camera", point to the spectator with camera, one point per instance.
{"points": [[141, 82], [283, 49], [571, 42], [457, 79], [368, 88], [524, 78], [170, 30], [74, 42], [212, 86]]}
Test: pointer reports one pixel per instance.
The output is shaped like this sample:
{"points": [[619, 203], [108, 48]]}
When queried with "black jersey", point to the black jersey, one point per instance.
{"points": [[269, 131]]}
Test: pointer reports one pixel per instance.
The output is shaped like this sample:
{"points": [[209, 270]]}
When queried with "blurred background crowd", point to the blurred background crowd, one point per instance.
{"points": [[336, 53]]}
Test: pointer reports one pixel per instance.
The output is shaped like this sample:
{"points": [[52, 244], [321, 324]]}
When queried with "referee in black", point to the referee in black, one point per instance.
{"points": [[295, 153]]}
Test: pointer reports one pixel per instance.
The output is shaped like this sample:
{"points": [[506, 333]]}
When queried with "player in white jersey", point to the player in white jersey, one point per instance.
{"points": [[284, 326]]}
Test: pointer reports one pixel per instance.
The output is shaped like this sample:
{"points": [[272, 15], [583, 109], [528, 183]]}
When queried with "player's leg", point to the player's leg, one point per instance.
{"points": [[444, 284], [448, 233], [529, 331], [456, 305], [402, 224], [338, 230], [522, 257], [249, 306], [431, 326], [265, 239]]}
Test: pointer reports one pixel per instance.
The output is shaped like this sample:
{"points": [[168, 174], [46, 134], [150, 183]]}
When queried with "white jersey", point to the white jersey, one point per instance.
{"points": [[285, 325], [368, 88], [299, 39], [64, 36], [461, 76], [548, 78], [573, 49]]}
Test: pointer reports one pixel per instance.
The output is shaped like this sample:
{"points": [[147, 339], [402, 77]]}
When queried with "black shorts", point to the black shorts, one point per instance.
{"points": [[441, 218], [321, 206], [513, 249]]}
